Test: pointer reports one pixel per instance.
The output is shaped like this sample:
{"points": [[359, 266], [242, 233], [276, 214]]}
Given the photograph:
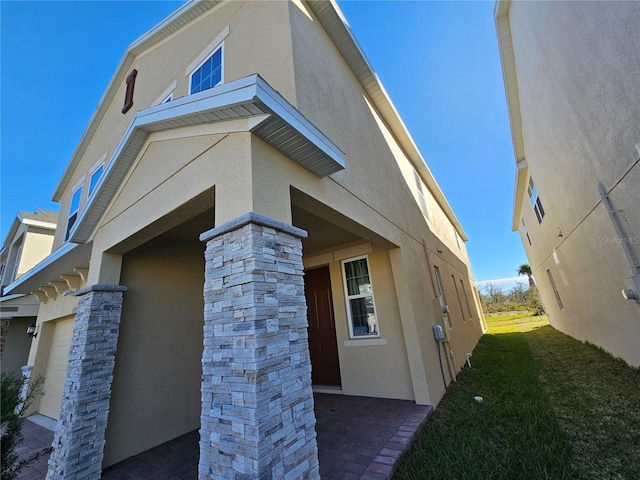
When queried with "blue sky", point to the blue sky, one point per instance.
{"points": [[438, 61]]}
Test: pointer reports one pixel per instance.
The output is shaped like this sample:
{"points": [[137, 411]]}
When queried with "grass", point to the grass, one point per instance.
{"points": [[553, 408]]}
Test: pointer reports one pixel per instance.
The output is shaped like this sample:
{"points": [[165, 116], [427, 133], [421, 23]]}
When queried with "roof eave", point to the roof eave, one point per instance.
{"points": [[249, 97], [357, 60], [522, 173], [147, 40]]}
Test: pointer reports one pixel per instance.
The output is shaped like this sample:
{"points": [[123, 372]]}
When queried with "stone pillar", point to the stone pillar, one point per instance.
{"points": [[78, 442], [257, 417]]}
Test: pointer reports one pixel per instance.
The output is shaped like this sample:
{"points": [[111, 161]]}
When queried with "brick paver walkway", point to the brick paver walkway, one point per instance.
{"points": [[358, 437]]}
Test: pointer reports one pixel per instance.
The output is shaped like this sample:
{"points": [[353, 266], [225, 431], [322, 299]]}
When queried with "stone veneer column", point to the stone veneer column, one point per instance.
{"points": [[79, 439], [257, 417]]}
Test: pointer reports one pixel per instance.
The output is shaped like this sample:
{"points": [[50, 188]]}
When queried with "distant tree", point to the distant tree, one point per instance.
{"points": [[525, 269]]}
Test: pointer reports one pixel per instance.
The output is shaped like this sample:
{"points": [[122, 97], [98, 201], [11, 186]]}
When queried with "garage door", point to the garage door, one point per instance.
{"points": [[56, 369]]}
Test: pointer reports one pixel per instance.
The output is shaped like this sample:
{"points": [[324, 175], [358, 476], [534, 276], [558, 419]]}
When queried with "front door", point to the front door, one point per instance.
{"points": [[323, 347]]}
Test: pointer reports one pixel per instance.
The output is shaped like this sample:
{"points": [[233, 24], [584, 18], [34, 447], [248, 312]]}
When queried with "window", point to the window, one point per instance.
{"points": [[95, 177], [128, 97], [526, 231], [14, 276], [555, 290], [458, 296], [359, 294], [73, 211], [535, 200], [466, 299], [421, 200], [208, 74], [168, 99]]}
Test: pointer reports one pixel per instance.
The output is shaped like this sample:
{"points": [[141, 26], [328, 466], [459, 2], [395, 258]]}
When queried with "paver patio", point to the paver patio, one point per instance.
{"points": [[358, 437]]}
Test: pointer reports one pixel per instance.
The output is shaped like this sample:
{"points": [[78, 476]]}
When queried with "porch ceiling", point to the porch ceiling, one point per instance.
{"points": [[322, 234]]}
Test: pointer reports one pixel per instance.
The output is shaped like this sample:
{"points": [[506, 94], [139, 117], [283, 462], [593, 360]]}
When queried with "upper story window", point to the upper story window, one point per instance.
{"points": [[169, 98], [95, 177], [526, 231], [208, 74], [359, 294], [535, 200], [421, 199], [74, 209]]}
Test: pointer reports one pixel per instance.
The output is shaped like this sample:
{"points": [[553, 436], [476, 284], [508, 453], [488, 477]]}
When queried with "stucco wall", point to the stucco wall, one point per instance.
{"points": [[578, 85], [156, 385], [16, 347], [251, 46]]}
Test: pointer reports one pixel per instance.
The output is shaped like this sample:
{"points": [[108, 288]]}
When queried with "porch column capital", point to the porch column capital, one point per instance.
{"points": [[255, 219]]}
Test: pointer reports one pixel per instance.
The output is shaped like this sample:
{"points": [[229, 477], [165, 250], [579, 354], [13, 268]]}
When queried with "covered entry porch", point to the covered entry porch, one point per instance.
{"points": [[358, 437]]}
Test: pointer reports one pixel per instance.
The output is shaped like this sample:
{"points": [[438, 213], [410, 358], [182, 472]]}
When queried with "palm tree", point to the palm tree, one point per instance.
{"points": [[525, 269]]}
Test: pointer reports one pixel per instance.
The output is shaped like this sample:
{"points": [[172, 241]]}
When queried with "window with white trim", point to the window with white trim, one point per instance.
{"points": [[361, 310], [169, 98], [74, 209], [95, 178], [526, 231], [421, 199], [535, 200], [208, 74]]}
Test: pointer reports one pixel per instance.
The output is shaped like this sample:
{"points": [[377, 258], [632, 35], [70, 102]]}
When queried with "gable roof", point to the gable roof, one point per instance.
{"points": [[336, 26], [274, 120]]}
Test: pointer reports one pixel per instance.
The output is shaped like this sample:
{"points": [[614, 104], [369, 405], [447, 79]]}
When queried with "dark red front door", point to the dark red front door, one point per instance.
{"points": [[325, 368]]}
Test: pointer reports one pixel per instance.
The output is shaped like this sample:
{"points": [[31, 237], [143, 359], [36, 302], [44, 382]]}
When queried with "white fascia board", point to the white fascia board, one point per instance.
{"points": [[39, 223], [283, 109], [509, 76], [522, 173], [116, 80], [383, 102], [252, 89], [62, 252]]}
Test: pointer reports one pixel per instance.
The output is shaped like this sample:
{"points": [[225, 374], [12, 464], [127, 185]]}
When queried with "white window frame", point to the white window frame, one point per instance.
{"points": [[71, 213], [197, 67], [92, 186], [169, 98], [362, 295], [422, 201], [536, 203]]}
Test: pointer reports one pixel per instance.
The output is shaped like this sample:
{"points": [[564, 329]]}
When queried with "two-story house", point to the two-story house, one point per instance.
{"points": [[248, 147], [572, 81]]}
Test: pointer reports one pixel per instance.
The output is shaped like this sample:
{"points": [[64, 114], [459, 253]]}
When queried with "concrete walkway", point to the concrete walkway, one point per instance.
{"points": [[358, 437]]}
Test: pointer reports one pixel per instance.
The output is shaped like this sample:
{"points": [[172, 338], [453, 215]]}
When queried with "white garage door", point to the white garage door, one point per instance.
{"points": [[56, 369]]}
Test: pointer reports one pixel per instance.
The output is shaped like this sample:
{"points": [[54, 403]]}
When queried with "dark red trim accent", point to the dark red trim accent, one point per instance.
{"points": [[128, 99]]}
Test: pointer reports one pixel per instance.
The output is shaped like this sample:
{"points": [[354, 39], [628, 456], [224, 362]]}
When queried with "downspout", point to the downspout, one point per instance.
{"points": [[633, 282]]}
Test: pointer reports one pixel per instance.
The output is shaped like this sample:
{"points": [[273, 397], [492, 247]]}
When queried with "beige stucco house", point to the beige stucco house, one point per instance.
{"points": [[28, 241], [572, 80], [248, 147]]}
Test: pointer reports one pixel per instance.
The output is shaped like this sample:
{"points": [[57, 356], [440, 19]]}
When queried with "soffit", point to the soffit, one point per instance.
{"points": [[174, 22], [62, 261], [276, 121]]}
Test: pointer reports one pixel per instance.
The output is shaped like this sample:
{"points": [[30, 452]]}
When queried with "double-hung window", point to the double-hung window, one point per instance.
{"points": [[74, 209], [361, 309], [209, 73], [535, 200]]}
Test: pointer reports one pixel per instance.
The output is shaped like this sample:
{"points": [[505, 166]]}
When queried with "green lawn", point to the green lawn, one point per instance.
{"points": [[552, 408]]}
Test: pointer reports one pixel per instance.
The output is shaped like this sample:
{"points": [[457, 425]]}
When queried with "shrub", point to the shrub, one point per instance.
{"points": [[13, 413]]}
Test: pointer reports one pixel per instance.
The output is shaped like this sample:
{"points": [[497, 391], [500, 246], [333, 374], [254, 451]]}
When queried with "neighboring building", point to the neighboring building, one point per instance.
{"points": [[189, 139], [28, 241], [572, 78]]}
